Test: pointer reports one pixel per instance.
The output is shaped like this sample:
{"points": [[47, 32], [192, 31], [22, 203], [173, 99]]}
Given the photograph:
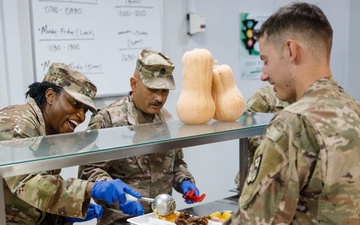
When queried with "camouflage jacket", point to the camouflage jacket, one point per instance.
{"points": [[306, 170], [37, 198], [150, 174], [264, 100]]}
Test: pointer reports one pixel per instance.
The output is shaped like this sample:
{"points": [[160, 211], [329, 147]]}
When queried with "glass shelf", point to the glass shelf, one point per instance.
{"points": [[36, 154]]}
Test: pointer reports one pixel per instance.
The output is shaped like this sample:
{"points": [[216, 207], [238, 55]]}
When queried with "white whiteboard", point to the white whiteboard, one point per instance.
{"points": [[100, 38]]}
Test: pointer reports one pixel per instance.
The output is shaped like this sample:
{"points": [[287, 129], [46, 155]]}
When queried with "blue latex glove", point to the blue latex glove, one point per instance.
{"points": [[94, 211], [112, 191], [134, 208], [188, 186]]}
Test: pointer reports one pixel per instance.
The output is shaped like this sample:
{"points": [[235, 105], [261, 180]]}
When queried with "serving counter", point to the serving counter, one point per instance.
{"points": [[64, 150]]}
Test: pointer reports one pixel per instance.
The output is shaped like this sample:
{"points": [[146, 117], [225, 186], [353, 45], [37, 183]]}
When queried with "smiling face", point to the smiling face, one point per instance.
{"points": [[276, 69], [148, 100], [62, 113]]}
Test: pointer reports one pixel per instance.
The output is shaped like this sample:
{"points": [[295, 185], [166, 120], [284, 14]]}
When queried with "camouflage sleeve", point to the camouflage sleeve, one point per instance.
{"points": [[52, 194], [100, 120], [279, 169], [180, 171], [254, 142], [265, 100], [261, 101], [19, 122], [95, 171]]}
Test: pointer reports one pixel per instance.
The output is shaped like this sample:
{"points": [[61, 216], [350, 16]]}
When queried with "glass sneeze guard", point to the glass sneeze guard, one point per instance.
{"points": [[81, 145], [30, 155]]}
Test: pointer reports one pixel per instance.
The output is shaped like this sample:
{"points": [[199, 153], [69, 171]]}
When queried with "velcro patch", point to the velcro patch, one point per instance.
{"points": [[254, 170]]}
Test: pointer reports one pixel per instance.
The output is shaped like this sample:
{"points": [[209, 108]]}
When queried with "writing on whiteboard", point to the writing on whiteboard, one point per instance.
{"points": [[63, 32], [86, 67], [101, 39]]}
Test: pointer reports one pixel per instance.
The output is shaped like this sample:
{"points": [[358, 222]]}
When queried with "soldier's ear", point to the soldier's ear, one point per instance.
{"points": [[50, 96], [133, 83]]}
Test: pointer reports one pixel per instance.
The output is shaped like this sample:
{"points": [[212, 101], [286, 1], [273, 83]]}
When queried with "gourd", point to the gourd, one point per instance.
{"points": [[195, 104], [229, 101]]}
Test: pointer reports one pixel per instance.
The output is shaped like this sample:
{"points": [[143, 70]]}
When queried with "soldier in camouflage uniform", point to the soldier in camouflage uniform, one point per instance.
{"points": [[56, 105], [306, 169], [264, 100], [150, 174]]}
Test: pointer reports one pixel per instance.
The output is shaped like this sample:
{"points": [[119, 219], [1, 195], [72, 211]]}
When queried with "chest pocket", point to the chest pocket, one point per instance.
{"points": [[144, 165], [162, 162], [128, 167]]}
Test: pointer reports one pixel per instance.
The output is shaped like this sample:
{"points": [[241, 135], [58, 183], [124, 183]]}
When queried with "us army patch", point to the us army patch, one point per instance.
{"points": [[254, 170]]}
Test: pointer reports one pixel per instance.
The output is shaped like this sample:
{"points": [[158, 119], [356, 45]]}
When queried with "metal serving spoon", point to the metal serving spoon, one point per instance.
{"points": [[162, 204]]}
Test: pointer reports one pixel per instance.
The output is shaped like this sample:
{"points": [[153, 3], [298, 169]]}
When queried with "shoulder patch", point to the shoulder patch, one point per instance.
{"points": [[254, 170]]}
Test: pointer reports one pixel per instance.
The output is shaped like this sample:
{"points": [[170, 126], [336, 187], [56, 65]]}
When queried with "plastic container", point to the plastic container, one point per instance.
{"points": [[150, 219]]}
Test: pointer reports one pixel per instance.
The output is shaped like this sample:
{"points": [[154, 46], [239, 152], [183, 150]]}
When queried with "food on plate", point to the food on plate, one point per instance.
{"points": [[186, 219], [221, 215], [170, 218]]}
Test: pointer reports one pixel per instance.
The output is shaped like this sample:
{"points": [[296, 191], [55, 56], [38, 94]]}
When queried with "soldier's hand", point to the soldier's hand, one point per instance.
{"points": [[112, 191], [191, 192], [94, 211], [134, 208]]}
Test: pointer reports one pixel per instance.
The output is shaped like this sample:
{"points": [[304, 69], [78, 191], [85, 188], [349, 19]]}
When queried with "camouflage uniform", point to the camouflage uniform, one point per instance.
{"points": [[39, 198], [23, 202], [264, 100], [306, 170], [150, 174]]}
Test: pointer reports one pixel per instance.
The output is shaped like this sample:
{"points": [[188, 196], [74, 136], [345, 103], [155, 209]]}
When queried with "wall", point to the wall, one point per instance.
{"points": [[352, 56], [3, 81], [214, 170]]}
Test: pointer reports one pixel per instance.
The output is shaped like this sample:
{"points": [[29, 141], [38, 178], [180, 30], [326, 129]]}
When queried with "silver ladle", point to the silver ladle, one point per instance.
{"points": [[162, 204]]}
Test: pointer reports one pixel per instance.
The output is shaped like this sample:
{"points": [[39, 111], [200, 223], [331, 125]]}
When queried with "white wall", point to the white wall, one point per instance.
{"points": [[3, 81], [216, 169], [352, 57]]}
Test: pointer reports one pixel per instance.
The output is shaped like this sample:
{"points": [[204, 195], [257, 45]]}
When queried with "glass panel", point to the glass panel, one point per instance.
{"points": [[62, 145]]}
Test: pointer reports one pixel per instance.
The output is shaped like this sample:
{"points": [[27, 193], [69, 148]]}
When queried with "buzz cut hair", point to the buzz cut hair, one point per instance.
{"points": [[298, 20]]}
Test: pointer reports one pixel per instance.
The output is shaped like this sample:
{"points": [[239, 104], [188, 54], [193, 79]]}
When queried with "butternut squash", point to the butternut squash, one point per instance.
{"points": [[229, 101], [195, 104]]}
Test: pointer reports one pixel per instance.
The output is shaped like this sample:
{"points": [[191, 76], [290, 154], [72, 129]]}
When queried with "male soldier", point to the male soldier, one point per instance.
{"points": [[306, 169], [150, 174]]}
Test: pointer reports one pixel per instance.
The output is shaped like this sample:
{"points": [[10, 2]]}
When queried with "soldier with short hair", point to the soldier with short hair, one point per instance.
{"points": [[56, 105], [150, 174], [306, 169]]}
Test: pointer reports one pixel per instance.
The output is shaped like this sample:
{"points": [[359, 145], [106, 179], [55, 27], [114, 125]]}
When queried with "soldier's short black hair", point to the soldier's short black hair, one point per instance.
{"points": [[298, 18], [37, 91]]}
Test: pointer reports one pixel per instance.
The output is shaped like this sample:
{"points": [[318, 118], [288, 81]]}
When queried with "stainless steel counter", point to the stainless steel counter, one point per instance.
{"points": [[58, 151], [206, 209]]}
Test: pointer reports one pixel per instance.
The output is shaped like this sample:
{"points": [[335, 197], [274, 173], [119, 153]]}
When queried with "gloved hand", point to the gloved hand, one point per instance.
{"points": [[187, 186], [112, 191], [94, 211], [134, 208]]}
